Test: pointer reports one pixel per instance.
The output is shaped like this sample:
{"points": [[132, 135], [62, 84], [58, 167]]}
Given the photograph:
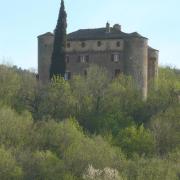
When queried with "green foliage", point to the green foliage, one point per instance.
{"points": [[56, 100], [113, 122], [9, 168], [122, 95], [47, 166], [57, 136], [166, 129], [27, 94], [58, 61], [15, 130], [136, 140], [9, 85], [164, 95], [97, 81], [84, 100], [68, 141], [59, 130], [150, 169], [90, 93]]}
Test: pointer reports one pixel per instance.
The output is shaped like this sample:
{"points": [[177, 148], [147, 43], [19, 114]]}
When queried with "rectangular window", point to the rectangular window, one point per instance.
{"points": [[67, 75], [118, 43], [87, 58], [85, 72], [99, 43], [117, 72], [67, 59], [116, 57], [83, 44], [79, 59], [83, 59], [68, 45]]}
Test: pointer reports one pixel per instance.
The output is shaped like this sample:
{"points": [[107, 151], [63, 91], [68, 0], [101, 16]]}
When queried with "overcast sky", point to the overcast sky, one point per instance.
{"points": [[21, 21]]}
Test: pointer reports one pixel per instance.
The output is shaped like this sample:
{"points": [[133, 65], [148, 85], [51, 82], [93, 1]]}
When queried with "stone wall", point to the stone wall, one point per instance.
{"points": [[100, 55], [135, 58], [152, 63], [92, 45], [136, 62], [45, 46], [103, 59]]}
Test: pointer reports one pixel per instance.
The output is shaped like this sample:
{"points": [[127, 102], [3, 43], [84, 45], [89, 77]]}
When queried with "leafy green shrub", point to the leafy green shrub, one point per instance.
{"points": [[15, 130], [150, 169], [136, 140], [56, 100], [77, 150], [166, 130], [9, 85], [9, 168]]}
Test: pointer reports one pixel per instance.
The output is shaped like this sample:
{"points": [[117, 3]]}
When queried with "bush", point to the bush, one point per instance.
{"points": [[9, 168], [166, 130], [134, 140], [15, 130], [9, 85], [150, 169], [76, 149]]}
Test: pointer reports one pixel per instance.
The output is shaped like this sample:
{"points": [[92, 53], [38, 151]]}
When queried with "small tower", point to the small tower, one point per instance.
{"points": [[45, 42], [136, 61]]}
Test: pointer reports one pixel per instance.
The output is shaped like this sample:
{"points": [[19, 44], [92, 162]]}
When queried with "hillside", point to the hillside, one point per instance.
{"points": [[89, 127]]}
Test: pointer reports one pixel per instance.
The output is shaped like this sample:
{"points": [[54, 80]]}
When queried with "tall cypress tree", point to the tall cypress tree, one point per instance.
{"points": [[58, 60]]}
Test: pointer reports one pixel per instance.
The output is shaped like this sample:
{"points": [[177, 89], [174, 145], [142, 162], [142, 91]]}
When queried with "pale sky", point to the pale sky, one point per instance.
{"points": [[21, 21]]}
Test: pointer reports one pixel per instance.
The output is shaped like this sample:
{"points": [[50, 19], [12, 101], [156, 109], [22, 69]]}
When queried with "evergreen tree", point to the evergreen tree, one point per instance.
{"points": [[58, 64]]}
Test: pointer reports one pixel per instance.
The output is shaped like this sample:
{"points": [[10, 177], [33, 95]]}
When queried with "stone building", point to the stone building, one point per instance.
{"points": [[110, 47]]}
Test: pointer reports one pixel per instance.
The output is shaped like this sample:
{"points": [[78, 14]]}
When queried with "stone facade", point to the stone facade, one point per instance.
{"points": [[109, 47]]}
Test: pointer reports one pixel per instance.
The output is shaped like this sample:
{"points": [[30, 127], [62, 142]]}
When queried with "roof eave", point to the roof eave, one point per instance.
{"points": [[45, 34]]}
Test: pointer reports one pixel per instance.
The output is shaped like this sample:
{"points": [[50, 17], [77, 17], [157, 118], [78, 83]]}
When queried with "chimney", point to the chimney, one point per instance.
{"points": [[108, 28], [117, 27]]}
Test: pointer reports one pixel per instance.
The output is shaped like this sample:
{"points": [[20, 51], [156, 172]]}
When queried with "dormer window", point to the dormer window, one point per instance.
{"points": [[99, 43], [83, 44], [68, 45]]}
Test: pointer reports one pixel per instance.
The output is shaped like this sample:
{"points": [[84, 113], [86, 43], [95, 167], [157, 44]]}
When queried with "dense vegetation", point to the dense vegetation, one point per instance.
{"points": [[89, 127]]}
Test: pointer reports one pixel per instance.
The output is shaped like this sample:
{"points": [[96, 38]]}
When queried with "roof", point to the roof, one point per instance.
{"points": [[97, 34], [100, 33], [152, 49], [46, 34]]}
